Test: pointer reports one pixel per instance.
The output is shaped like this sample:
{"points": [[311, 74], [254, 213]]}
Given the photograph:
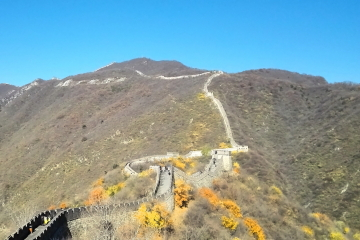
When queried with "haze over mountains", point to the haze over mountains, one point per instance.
{"points": [[58, 136]]}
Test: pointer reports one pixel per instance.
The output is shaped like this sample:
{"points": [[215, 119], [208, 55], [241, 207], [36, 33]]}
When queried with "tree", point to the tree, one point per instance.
{"points": [[96, 196], [182, 193], [155, 217]]}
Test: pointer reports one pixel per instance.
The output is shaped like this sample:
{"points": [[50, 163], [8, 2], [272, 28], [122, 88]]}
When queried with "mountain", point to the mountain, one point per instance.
{"points": [[6, 89], [303, 133], [58, 136], [144, 65]]}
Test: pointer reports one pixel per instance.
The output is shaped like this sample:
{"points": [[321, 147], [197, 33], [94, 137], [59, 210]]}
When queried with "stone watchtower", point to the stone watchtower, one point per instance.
{"points": [[223, 156]]}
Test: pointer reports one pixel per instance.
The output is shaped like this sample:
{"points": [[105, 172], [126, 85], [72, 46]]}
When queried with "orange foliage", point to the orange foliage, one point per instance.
{"points": [[99, 182], [233, 208], [96, 196], [209, 195], [63, 205], [236, 167], [323, 218], [182, 193], [254, 228], [52, 207]]}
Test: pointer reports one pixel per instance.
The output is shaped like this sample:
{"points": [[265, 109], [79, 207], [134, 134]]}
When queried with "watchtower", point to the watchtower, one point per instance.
{"points": [[224, 156]]}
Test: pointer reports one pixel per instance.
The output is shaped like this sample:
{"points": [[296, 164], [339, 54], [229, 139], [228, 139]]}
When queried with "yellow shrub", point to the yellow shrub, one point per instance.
{"points": [[182, 193], [336, 236], [346, 230], [356, 236], [201, 96], [112, 190], [179, 164], [145, 173], [233, 208], [323, 218], [275, 190], [229, 223], [157, 217], [308, 231], [254, 228], [236, 167], [224, 145]]}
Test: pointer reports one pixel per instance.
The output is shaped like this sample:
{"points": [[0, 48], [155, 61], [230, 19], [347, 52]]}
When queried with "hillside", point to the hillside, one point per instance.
{"points": [[58, 137], [304, 135], [54, 141], [5, 89]]}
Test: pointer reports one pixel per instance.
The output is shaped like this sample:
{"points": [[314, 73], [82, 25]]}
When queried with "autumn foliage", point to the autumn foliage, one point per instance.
{"points": [[155, 217], [182, 163], [52, 207], [229, 223], [209, 195], [97, 195], [112, 190], [224, 145], [233, 208], [236, 167], [63, 205], [99, 182], [308, 231], [182, 193], [254, 228]]}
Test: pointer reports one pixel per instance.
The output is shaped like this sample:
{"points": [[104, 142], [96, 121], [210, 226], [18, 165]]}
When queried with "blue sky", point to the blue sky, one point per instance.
{"points": [[45, 39]]}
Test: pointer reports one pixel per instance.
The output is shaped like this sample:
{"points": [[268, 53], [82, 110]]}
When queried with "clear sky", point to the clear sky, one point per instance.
{"points": [[57, 38]]}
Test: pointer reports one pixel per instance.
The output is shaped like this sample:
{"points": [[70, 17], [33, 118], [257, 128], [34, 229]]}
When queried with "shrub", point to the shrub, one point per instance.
{"points": [[356, 236], [236, 167], [323, 218], [206, 151], [308, 231], [157, 217], [145, 173], [224, 145], [52, 207], [96, 196], [98, 182], [254, 228], [112, 190], [209, 195], [201, 96], [336, 236], [63, 205], [275, 190], [182, 193], [233, 208], [229, 223]]}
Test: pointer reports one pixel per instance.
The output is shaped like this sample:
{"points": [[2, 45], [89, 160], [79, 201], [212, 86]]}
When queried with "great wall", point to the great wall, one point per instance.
{"points": [[163, 192]]}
